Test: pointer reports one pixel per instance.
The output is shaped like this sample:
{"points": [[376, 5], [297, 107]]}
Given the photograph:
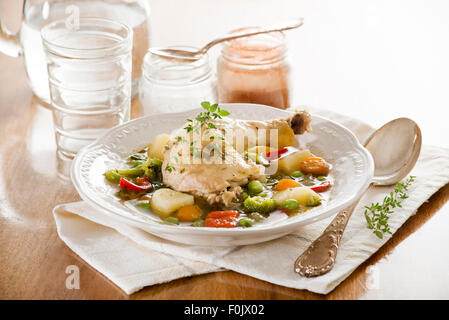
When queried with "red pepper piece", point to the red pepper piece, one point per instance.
{"points": [[221, 219], [128, 185], [272, 155], [321, 187]]}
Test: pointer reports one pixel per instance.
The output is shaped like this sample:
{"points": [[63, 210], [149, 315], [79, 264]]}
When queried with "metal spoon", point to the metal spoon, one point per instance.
{"points": [[195, 55], [395, 148]]}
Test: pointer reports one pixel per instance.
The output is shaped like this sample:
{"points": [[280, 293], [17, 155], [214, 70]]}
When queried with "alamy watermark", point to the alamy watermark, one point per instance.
{"points": [[72, 22], [206, 145], [73, 279], [373, 278]]}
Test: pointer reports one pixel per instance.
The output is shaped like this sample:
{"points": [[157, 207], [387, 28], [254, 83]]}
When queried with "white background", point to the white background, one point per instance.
{"points": [[375, 60]]}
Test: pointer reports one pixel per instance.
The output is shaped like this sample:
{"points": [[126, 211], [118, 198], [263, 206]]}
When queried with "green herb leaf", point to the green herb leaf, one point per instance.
{"points": [[223, 113], [205, 105], [377, 215], [212, 112], [188, 128], [169, 168], [213, 107]]}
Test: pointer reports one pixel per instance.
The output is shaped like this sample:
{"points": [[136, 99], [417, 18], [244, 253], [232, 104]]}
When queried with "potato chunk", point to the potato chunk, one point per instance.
{"points": [[166, 201], [286, 136], [156, 148], [292, 162], [305, 196]]}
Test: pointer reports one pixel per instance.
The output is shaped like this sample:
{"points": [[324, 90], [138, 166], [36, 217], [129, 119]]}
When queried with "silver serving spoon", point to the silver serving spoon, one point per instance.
{"points": [[195, 55], [395, 148]]}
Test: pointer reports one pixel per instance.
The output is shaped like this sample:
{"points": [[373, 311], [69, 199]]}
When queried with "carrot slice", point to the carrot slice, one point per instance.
{"points": [[285, 184], [315, 165], [189, 213], [221, 219]]}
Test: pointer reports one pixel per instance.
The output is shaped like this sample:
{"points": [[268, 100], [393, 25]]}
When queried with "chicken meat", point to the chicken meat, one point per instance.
{"points": [[208, 160]]}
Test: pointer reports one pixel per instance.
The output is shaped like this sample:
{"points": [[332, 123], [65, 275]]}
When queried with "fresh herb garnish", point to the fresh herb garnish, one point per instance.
{"points": [[189, 127], [213, 111], [169, 168], [377, 214], [217, 138]]}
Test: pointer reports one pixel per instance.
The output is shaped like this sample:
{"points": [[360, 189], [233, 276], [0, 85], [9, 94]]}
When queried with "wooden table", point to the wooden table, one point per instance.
{"points": [[33, 259]]}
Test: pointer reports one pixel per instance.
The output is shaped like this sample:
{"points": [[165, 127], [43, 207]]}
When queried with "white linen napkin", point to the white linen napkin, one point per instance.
{"points": [[133, 259]]}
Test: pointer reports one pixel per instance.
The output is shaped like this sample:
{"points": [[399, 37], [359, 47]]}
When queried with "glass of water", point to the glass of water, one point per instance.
{"points": [[89, 65]]}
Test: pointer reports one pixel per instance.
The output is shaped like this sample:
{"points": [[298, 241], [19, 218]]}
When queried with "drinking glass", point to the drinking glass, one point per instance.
{"points": [[89, 67], [37, 13]]}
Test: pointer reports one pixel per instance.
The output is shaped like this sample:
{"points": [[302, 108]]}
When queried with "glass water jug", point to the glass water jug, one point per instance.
{"points": [[37, 13]]}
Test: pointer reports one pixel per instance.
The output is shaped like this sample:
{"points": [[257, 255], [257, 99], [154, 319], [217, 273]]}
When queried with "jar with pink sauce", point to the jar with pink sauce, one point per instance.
{"points": [[255, 70]]}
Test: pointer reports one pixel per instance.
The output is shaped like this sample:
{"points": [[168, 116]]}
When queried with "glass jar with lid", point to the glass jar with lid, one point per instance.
{"points": [[255, 70], [173, 85]]}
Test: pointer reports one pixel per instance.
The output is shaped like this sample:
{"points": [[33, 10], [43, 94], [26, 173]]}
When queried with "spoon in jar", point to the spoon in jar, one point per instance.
{"points": [[395, 148], [195, 55]]}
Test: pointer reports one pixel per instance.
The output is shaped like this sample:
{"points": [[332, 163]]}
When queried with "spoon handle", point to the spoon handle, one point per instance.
{"points": [[287, 25], [319, 257]]}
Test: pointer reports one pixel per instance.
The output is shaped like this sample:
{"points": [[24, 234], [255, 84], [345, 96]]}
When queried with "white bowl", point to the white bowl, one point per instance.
{"points": [[352, 169]]}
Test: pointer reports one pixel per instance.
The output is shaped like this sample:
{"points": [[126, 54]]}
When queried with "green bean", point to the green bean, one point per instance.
{"points": [[246, 223], [112, 176], [172, 220], [314, 204], [290, 204], [144, 205], [297, 174], [255, 187], [132, 173], [198, 223], [137, 156], [137, 163]]}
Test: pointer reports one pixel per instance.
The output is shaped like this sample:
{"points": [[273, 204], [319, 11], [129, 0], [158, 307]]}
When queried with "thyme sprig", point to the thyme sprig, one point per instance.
{"points": [[377, 214], [213, 111]]}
